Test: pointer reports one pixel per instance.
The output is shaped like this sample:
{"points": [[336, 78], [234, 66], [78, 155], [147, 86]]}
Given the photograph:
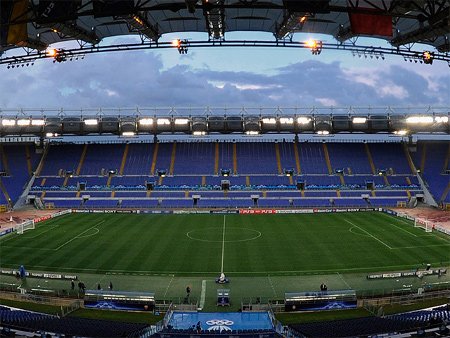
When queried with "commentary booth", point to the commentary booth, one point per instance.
{"points": [[321, 300], [119, 300]]}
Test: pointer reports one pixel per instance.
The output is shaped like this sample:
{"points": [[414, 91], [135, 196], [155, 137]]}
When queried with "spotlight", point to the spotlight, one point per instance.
{"points": [[181, 45], [315, 46], [428, 57]]}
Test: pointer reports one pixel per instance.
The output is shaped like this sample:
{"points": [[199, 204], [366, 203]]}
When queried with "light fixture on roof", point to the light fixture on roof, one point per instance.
{"points": [[37, 122], [428, 57], [402, 132], [315, 46], [323, 132], [146, 121], [303, 120], [199, 133], [51, 135], [181, 121], [252, 132], [181, 45], [286, 120], [269, 120], [163, 122], [8, 122], [91, 122], [441, 119], [128, 133], [23, 122], [357, 120], [419, 119], [141, 23]]}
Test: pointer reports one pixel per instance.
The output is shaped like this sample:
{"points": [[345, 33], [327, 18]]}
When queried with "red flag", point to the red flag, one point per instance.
{"points": [[371, 24]]}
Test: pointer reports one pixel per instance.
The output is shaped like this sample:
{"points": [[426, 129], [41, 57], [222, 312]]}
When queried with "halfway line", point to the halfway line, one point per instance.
{"points": [[379, 240], [223, 243]]}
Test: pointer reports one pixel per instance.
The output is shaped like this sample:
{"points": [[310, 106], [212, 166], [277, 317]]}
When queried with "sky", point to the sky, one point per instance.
{"points": [[225, 77]]}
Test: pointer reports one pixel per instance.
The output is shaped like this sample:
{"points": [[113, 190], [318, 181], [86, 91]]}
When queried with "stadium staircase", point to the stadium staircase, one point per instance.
{"points": [[412, 167], [155, 157], [277, 154], [22, 201], [327, 159], [369, 157], [429, 199], [82, 158], [216, 158], [297, 159], [235, 166]]}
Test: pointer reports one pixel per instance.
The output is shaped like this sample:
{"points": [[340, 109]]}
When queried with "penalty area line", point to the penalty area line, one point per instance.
{"points": [[375, 238], [78, 236]]}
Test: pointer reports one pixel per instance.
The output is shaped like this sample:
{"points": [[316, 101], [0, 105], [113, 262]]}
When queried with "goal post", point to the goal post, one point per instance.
{"points": [[27, 225], [424, 224]]}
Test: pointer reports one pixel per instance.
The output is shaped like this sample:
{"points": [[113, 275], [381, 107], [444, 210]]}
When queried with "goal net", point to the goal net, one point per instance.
{"points": [[424, 224], [27, 225]]}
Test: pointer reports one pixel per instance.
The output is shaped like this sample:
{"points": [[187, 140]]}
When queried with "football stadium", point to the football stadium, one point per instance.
{"points": [[230, 222]]}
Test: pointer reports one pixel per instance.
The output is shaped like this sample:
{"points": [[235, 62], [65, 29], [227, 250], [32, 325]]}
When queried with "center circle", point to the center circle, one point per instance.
{"points": [[215, 235]]}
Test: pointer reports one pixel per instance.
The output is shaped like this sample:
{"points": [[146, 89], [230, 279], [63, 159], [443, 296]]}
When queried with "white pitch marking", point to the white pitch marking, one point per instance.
{"points": [[403, 229], [203, 295], [77, 236], [223, 244], [375, 238]]}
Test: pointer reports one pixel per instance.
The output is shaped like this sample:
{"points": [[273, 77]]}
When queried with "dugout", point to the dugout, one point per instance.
{"points": [[320, 300], [119, 300]]}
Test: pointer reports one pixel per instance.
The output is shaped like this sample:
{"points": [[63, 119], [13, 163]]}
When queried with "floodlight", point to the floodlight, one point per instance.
{"points": [[23, 122], [323, 132], [199, 133], [51, 52], [315, 46], [428, 57], [37, 122], [252, 132], [163, 121], [269, 120], [286, 120], [303, 120], [146, 121], [8, 122], [401, 132], [128, 133], [181, 121], [51, 135], [357, 120], [441, 119], [91, 122], [419, 119]]}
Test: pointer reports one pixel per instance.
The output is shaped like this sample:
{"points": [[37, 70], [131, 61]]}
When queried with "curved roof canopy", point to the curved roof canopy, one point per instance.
{"points": [[36, 24]]}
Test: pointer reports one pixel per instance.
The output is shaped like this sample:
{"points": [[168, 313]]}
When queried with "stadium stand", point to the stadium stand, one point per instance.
{"points": [[323, 175], [432, 159], [70, 326], [17, 165]]}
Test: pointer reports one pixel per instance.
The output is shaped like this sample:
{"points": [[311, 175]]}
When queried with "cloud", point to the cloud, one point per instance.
{"points": [[139, 79]]}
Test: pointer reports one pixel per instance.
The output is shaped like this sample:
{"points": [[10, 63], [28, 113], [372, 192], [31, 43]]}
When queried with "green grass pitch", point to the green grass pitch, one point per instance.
{"points": [[243, 245]]}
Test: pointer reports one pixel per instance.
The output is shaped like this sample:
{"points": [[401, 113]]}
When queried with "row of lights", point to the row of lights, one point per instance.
{"points": [[427, 58], [267, 120], [185, 121]]}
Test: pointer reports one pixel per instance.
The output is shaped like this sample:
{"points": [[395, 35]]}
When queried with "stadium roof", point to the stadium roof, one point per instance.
{"points": [[36, 24]]}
